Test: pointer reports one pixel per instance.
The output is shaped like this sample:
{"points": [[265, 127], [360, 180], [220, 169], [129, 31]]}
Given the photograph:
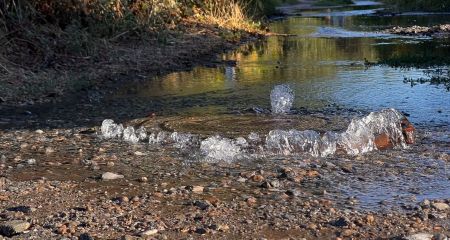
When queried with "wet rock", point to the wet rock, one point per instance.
{"points": [[201, 231], [203, 205], [14, 227], [382, 142], [341, 222], [111, 176], [24, 209], [440, 206], [85, 236]]}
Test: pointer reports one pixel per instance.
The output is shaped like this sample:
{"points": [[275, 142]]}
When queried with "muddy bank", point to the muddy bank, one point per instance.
{"points": [[442, 30], [54, 184], [122, 60]]}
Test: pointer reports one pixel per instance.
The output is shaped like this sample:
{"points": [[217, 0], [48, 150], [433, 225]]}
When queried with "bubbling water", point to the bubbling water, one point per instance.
{"points": [[281, 99], [360, 137], [110, 129]]}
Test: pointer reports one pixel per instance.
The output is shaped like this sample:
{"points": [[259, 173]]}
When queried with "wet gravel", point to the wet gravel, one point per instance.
{"points": [[52, 179]]}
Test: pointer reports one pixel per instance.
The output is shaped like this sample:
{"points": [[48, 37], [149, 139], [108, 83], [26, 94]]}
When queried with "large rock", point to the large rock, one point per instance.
{"points": [[14, 227]]}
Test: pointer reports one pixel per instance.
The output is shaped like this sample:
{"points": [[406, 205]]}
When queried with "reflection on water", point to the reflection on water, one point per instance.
{"points": [[321, 71]]}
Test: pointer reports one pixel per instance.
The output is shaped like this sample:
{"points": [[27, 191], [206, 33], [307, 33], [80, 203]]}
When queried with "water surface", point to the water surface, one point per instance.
{"points": [[324, 64]]}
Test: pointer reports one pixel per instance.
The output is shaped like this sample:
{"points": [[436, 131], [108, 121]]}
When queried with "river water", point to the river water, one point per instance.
{"points": [[321, 55], [323, 61]]}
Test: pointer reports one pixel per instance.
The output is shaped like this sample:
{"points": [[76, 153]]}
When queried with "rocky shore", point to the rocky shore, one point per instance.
{"points": [[435, 31], [72, 184]]}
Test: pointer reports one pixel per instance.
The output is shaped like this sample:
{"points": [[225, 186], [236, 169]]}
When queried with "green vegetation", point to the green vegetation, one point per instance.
{"points": [[333, 2], [420, 5]]}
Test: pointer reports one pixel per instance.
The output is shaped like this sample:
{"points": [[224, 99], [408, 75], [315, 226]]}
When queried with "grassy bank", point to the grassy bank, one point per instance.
{"points": [[420, 5], [50, 47]]}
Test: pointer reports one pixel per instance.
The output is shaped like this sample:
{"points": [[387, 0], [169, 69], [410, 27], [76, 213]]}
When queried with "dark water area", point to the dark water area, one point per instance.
{"points": [[324, 64]]}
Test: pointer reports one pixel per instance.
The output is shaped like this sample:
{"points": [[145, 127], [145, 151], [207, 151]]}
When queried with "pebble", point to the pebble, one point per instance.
{"points": [[149, 232], [203, 205], [13, 227], [420, 236], [143, 179], [440, 206], [31, 161], [111, 176], [85, 236], [197, 189]]}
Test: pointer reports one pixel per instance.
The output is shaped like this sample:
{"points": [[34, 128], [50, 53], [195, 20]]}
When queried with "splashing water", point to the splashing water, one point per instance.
{"points": [[129, 135], [361, 133], [217, 148], [141, 133], [360, 137], [184, 140], [111, 130], [158, 138], [357, 139], [281, 99], [288, 142]]}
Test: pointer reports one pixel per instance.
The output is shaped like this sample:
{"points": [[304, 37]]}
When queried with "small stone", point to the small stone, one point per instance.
{"points": [[341, 222], [111, 176], [13, 227], [420, 236], [197, 189], [85, 236], [49, 150], [143, 179], [62, 229], [370, 219], [223, 227], [201, 231], [347, 233], [251, 201], [257, 178], [203, 205], [311, 226], [149, 232], [440, 206], [39, 131], [31, 161]]}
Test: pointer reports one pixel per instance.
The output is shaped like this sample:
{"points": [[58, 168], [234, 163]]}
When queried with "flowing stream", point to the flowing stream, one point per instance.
{"points": [[300, 91]]}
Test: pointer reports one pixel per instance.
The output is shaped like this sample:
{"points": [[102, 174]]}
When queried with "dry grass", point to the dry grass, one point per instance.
{"points": [[51, 47], [230, 14]]}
